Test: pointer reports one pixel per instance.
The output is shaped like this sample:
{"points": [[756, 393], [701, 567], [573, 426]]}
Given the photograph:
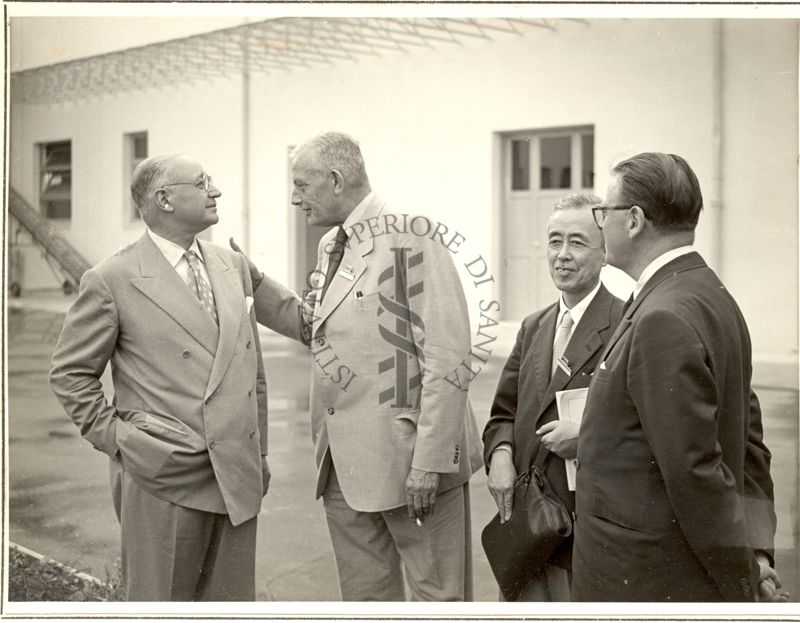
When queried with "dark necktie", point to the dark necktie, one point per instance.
{"points": [[627, 304], [334, 259]]}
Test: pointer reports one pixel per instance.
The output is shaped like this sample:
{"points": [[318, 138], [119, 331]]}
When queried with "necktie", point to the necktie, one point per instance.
{"points": [[334, 259], [627, 304], [562, 339], [200, 285]]}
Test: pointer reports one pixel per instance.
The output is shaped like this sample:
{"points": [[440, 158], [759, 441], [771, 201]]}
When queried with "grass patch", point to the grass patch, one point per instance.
{"points": [[31, 579]]}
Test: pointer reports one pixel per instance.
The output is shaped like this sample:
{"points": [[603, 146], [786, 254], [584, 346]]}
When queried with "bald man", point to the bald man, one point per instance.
{"points": [[186, 433]]}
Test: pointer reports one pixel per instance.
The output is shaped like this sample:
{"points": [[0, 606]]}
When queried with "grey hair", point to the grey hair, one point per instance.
{"points": [[577, 200], [148, 175], [335, 150]]}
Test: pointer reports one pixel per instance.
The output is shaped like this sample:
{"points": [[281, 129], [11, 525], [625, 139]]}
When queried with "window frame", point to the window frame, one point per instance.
{"points": [[59, 195], [130, 162]]}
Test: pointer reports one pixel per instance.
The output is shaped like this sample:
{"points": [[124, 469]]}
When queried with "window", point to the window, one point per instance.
{"points": [[550, 160], [555, 157], [135, 152], [520, 164], [55, 180], [587, 160]]}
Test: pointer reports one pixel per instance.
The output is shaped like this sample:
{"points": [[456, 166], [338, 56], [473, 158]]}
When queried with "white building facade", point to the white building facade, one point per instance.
{"points": [[482, 133]]}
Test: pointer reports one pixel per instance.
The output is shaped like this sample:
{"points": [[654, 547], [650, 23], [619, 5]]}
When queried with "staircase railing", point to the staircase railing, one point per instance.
{"points": [[55, 246]]}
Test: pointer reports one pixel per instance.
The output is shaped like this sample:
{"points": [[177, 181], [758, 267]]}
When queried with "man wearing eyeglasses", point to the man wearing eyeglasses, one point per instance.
{"points": [[557, 349], [187, 429], [674, 494]]}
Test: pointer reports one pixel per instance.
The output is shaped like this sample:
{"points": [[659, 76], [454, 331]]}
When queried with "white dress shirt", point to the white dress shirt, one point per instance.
{"points": [[173, 253], [576, 311], [659, 262]]}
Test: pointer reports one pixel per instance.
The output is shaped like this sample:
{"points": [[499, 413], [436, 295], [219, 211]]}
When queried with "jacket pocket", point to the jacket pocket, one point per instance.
{"points": [[616, 523], [410, 416], [162, 427]]}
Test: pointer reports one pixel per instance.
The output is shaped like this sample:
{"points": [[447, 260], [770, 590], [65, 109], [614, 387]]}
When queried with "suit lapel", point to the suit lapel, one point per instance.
{"points": [[229, 298], [583, 344], [680, 264], [542, 351], [353, 262], [161, 284]]}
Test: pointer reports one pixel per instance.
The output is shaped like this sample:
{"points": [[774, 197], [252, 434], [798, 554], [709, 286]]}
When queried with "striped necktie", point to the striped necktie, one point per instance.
{"points": [[562, 339], [200, 285]]}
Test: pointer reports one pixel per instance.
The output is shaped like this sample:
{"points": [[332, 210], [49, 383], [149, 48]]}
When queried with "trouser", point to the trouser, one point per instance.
{"points": [[174, 553], [372, 550]]}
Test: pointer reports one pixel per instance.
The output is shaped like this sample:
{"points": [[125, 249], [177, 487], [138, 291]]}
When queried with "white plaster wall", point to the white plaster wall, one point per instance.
{"points": [[760, 209], [202, 120], [426, 119]]}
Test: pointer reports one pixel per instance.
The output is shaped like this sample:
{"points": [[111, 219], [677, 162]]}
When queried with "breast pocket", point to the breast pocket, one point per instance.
{"points": [[366, 302], [602, 375]]}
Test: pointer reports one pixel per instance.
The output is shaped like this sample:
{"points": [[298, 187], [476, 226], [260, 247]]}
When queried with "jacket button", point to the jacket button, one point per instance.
{"points": [[321, 341], [331, 411], [186, 354], [211, 444], [248, 344], [249, 392], [252, 434]]}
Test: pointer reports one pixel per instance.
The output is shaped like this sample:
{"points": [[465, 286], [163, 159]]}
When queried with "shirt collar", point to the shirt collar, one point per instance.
{"points": [[358, 212], [577, 310], [661, 261], [173, 252]]}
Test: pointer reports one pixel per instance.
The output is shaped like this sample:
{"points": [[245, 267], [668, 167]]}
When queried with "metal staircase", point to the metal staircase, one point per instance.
{"points": [[64, 260]]}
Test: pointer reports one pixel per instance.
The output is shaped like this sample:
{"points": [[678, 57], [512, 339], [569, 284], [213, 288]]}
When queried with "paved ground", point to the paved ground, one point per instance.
{"points": [[59, 496]]}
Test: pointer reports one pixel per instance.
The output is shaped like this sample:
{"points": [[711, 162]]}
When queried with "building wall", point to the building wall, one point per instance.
{"points": [[429, 121], [760, 200], [203, 120]]}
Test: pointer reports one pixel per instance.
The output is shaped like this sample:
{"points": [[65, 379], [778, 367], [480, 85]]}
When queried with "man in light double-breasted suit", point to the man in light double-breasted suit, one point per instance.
{"points": [[395, 438], [187, 429]]}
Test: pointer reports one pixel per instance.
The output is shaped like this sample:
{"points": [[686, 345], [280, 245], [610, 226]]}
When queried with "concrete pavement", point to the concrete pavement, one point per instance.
{"points": [[59, 497]]}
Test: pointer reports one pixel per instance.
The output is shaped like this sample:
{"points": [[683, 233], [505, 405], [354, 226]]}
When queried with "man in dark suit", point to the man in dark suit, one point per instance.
{"points": [[674, 495], [524, 413]]}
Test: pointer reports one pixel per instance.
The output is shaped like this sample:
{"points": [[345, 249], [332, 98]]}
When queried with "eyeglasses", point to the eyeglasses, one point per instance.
{"points": [[599, 213], [205, 183]]}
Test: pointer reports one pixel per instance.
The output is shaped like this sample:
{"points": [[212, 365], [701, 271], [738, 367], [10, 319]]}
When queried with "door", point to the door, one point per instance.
{"points": [[539, 167]]}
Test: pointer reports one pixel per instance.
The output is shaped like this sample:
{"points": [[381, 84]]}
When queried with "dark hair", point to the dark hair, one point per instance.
{"points": [[664, 186]]}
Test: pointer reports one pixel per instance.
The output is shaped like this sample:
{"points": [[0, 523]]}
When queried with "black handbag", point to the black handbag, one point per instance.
{"points": [[539, 524]]}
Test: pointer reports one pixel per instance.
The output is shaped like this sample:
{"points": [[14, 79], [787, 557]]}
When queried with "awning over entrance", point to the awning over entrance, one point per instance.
{"points": [[285, 44]]}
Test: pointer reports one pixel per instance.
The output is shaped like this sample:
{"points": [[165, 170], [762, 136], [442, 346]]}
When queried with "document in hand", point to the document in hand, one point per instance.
{"points": [[570, 405]]}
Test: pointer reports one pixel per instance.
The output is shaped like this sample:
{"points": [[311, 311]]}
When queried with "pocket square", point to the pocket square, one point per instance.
{"points": [[249, 301]]}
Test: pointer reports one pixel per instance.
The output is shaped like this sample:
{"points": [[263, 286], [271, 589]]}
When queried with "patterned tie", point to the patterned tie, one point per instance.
{"points": [[334, 259], [562, 339], [200, 285]]}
